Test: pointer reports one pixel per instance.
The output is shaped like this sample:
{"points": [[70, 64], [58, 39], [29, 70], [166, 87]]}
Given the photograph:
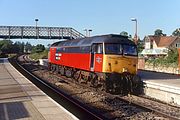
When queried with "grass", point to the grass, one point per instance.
{"points": [[40, 55]]}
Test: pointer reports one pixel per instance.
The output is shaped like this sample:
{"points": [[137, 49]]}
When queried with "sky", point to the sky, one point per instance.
{"points": [[102, 16]]}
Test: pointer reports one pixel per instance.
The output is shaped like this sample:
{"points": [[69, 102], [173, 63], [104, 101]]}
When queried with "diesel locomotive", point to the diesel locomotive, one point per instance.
{"points": [[107, 62]]}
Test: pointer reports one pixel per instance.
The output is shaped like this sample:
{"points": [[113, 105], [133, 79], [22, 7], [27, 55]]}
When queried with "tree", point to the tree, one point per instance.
{"points": [[6, 46], [140, 46], [38, 48], [20, 46], [28, 47], [124, 33], [15, 48], [176, 32], [172, 56], [159, 32]]}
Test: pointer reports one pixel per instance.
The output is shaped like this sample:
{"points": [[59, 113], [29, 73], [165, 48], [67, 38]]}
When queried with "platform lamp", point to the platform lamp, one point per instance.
{"points": [[36, 20], [135, 36], [89, 32], [86, 32]]}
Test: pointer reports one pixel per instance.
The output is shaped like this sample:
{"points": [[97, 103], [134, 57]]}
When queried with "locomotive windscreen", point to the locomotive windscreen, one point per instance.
{"points": [[130, 50], [112, 48]]}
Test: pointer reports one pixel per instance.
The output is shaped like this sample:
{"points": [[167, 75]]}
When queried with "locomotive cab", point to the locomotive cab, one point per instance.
{"points": [[113, 57], [120, 58]]}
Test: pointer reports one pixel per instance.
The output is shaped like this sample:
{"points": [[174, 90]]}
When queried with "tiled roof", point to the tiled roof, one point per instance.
{"points": [[163, 41]]}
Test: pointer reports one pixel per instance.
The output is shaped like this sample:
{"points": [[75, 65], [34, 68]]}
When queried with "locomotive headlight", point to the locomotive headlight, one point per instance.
{"points": [[125, 70]]}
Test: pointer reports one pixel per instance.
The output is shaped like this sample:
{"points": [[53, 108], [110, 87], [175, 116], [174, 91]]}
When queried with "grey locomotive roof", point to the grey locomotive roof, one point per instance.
{"points": [[96, 39]]}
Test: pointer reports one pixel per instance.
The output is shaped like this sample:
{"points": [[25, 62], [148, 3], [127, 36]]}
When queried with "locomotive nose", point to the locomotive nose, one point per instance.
{"points": [[120, 64]]}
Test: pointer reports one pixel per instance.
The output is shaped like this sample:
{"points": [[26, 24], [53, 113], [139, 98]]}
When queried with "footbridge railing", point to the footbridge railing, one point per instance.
{"points": [[31, 32]]}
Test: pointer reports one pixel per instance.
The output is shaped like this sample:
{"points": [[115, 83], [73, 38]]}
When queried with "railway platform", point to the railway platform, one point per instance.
{"points": [[20, 99], [162, 86]]}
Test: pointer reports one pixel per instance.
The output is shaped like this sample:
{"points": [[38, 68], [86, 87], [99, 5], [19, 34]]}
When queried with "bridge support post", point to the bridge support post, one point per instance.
{"points": [[9, 32]]}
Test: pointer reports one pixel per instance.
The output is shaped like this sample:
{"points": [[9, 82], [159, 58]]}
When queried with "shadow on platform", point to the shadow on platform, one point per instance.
{"points": [[12, 111]]}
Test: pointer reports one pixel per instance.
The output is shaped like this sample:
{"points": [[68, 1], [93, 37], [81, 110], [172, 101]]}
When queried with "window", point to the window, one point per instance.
{"points": [[113, 49], [97, 48], [177, 45], [129, 50], [58, 50], [85, 49]]}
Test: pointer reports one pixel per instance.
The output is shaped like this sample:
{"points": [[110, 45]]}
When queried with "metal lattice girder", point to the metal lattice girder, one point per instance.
{"points": [[30, 32]]}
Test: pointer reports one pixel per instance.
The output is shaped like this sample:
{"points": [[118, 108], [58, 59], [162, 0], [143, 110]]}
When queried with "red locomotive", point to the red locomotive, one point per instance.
{"points": [[108, 62]]}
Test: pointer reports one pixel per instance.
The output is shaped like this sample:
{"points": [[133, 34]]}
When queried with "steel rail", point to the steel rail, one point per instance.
{"points": [[148, 108], [74, 106]]}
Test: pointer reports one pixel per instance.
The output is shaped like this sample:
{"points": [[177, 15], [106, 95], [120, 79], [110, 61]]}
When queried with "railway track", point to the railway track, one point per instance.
{"points": [[129, 102], [172, 113], [72, 105]]}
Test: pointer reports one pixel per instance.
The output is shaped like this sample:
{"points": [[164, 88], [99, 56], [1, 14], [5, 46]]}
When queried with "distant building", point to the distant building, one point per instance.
{"points": [[159, 45]]}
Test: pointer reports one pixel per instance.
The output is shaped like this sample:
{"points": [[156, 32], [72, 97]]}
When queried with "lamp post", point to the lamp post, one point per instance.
{"points": [[135, 36], [36, 20], [86, 32], [89, 32]]}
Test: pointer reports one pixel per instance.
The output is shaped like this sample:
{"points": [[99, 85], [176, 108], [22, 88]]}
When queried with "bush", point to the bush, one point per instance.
{"points": [[170, 60], [39, 55]]}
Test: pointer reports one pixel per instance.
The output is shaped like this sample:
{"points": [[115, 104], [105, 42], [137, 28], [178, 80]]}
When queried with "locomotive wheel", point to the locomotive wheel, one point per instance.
{"points": [[116, 84], [77, 75], [93, 80], [137, 85], [68, 72], [53, 68], [61, 70], [49, 66], [103, 86], [57, 69]]}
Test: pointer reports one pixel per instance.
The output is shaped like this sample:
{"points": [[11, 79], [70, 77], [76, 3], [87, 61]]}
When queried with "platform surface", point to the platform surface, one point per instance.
{"points": [[162, 86], [160, 78], [22, 100]]}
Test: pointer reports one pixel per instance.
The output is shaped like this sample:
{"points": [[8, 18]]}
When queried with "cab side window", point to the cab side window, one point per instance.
{"points": [[97, 48]]}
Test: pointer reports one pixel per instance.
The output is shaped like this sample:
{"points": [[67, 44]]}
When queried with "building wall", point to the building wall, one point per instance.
{"points": [[147, 43], [154, 45], [173, 45], [141, 63]]}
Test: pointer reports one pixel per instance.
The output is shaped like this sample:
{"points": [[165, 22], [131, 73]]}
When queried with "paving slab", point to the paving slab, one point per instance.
{"points": [[20, 99]]}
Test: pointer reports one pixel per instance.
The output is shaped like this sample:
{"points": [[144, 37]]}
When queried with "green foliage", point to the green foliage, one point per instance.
{"points": [[159, 32], [172, 56], [19, 47], [6, 46], [170, 60], [39, 55], [38, 48], [124, 33], [28, 47], [176, 32], [140, 46]]}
